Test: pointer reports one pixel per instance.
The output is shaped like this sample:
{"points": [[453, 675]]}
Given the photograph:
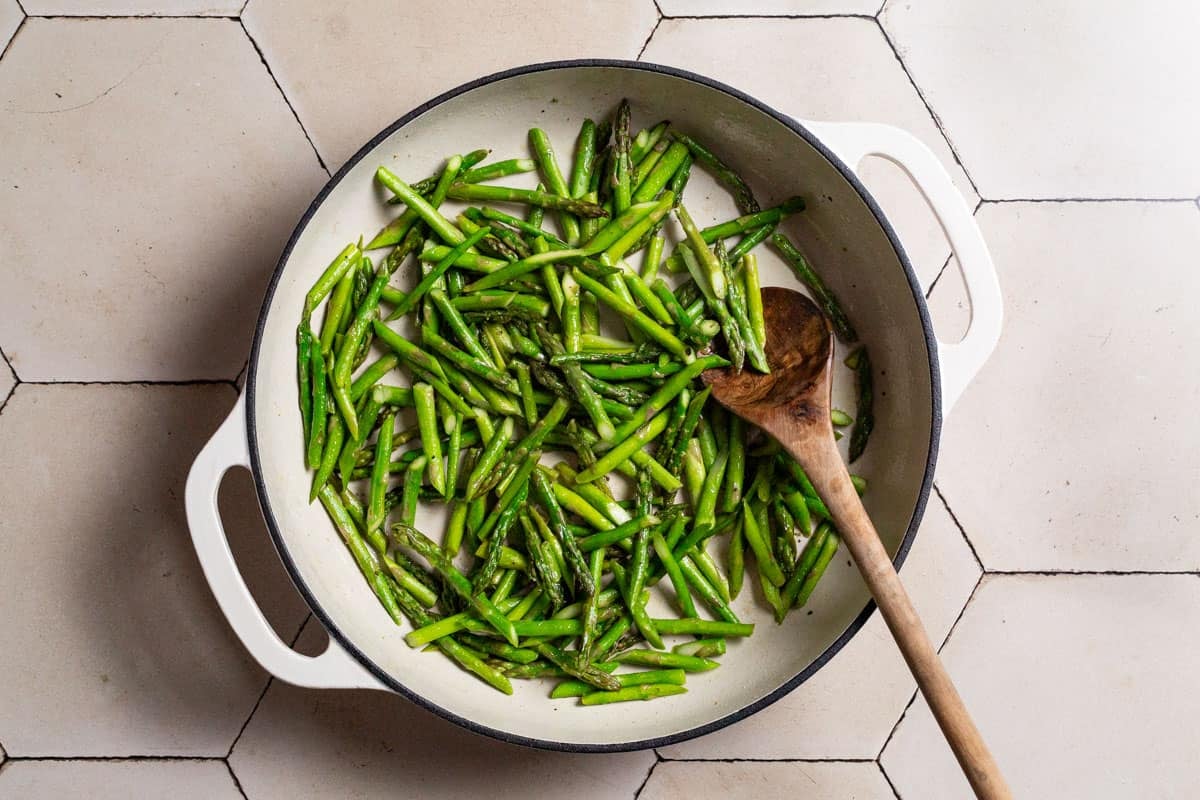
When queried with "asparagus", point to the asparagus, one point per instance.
{"points": [[540, 570]]}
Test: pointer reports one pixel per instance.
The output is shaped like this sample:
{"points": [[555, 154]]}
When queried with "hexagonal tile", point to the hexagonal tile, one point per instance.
{"points": [[1085, 682], [1060, 99], [304, 743], [117, 780], [848, 708], [183, 213], [766, 8], [1069, 448], [152, 8], [715, 780], [10, 20], [320, 53], [839, 70], [7, 380], [114, 645]]}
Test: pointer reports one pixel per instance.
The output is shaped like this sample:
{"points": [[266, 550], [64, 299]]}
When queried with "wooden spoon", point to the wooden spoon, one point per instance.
{"points": [[792, 403]]}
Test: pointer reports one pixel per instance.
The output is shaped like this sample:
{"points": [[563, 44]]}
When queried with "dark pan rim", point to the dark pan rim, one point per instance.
{"points": [[388, 680]]}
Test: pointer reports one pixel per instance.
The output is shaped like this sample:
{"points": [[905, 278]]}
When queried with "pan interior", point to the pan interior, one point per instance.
{"points": [[842, 237]]}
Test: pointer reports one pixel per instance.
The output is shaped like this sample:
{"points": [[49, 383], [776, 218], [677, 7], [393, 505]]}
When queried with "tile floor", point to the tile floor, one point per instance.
{"points": [[179, 140]]}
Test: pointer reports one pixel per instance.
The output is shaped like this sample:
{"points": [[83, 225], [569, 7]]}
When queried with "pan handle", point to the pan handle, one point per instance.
{"points": [[333, 669], [854, 141]]}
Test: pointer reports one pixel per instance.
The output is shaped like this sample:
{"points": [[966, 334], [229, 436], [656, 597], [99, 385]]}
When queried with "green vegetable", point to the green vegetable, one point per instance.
{"points": [[547, 376]]}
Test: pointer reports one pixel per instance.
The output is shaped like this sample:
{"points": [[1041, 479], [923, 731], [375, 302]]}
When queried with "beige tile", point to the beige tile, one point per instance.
{"points": [[749, 780], [158, 8], [178, 170], [113, 643], [765, 8], [1084, 686], [325, 54], [1070, 451], [825, 69], [316, 744], [1065, 99], [848, 708], [10, 20], [118, 780]]}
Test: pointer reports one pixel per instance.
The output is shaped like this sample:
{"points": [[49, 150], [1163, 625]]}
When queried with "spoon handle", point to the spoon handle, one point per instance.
{"points": [[828, 474]]}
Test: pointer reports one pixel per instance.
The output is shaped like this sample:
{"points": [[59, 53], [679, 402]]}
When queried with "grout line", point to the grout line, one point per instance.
{"points": [[86, 17], [657, 760], [963, 610], [768, 16], [250, 716], [938, 277], [936, 120], [283, 94], [242, 10], [233, 775], [1090, 200], [192, 382], [112, 759], [7, 397], [1116, 573], [961, 529], [917, 692], [769, 760], [22, 7], [942, 271], [13, 38], [16, 378], [888, 778], [9, 363], [657, 8], [258, 702], [653, 30]]}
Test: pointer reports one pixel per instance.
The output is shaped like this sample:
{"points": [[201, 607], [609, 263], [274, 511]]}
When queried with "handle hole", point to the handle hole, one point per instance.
{"points": [[949, 305], [910, 215], [256, 557]]}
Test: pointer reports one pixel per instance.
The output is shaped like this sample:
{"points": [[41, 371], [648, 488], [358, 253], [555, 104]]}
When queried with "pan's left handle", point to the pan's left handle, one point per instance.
{"points": [[333, 669], [961, 361]]}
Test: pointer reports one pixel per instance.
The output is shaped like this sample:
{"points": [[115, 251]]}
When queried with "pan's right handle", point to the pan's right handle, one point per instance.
{"points": [[333, 669], [854, 141]]}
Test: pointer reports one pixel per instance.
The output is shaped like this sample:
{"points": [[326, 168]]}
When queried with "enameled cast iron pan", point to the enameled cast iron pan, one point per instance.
{"points": [[846, 237]]}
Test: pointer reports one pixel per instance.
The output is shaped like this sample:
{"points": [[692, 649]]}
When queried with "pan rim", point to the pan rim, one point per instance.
{"points": [[549, 744]]}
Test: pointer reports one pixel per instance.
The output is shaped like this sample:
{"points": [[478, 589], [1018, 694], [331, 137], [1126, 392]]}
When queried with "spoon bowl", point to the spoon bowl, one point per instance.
{"points": [[792, 404]]}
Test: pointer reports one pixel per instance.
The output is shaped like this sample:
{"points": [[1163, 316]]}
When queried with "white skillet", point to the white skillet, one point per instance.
{"points": [[843, 232]]}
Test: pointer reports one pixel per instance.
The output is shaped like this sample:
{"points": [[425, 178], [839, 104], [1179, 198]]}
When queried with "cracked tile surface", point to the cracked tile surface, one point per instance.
{"points": [[838, 70], [1062, 99], [1088, 467], [175, 221], [320, 52], [114, 645], [1093, 670]]}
